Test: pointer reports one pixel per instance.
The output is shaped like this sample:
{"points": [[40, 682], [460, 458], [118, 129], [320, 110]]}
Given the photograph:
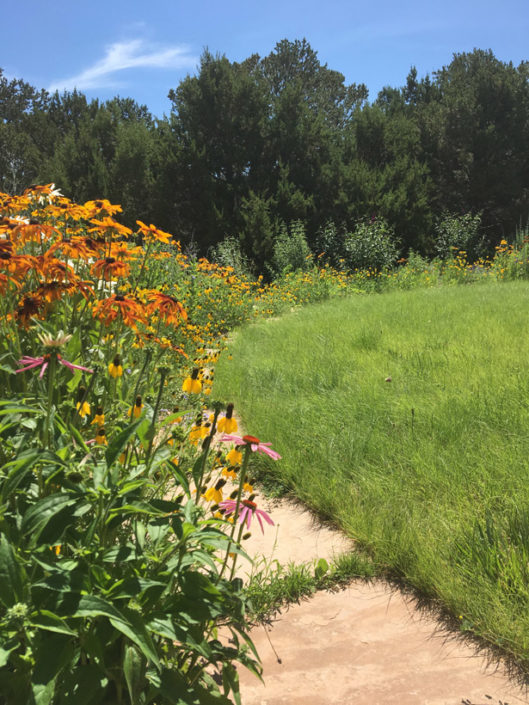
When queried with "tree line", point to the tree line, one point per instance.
{"points": [[250, 148]]}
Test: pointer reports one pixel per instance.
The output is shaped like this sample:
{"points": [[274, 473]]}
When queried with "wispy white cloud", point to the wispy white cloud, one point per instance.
{"points": [[135, 53]]}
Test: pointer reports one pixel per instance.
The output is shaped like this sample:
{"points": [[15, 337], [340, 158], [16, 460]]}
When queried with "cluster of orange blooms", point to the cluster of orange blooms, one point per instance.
{"points": [[52, 249]]}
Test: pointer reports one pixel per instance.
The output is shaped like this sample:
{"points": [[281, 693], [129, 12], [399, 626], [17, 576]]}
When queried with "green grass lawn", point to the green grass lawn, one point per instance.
{"points": [[404, 417]]}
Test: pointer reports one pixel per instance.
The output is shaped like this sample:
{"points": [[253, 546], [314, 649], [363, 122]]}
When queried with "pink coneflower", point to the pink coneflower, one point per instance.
{"points": [[247, 509], [254, 443], [43, 362]]}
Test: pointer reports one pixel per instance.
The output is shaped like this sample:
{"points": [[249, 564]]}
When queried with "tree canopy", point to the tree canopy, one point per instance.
{"points": [[251, 147]]}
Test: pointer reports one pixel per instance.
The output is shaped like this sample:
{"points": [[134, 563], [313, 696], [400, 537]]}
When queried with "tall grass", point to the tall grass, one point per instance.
{"points": [[405, 418]]}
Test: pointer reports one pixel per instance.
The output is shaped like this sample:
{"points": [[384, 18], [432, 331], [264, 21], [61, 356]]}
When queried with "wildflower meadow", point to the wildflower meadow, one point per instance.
{"points": [[126, 492]]}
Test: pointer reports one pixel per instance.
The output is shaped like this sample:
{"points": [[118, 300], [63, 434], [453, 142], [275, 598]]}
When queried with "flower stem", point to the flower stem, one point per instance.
{"points": [[242, 478]]}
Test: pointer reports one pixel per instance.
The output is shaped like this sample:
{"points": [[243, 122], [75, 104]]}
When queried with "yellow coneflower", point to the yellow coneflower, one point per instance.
{"points": [[101, 437], [230, 474], [214, 494], [192, 385], [234, 457], [137, 408], [227, 424], [115, 368], [198, 431], [99, 417], [83, 407]]}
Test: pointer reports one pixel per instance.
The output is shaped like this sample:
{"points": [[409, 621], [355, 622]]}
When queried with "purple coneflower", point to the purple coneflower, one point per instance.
{"points": [[254, 443], [30, 363], [247, 510]]}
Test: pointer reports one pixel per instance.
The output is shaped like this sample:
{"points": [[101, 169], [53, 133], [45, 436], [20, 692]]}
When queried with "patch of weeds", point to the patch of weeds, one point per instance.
{"points": [[273, 586]]}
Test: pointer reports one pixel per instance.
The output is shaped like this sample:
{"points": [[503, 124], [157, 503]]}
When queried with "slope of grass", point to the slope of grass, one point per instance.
{"points": [[404, 417]]}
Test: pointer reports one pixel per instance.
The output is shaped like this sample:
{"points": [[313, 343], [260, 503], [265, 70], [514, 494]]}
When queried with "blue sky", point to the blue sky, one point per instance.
{"points": [[143, 49]]}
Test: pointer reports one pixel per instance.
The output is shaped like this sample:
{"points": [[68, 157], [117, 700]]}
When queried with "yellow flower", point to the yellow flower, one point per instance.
{"points": [[83, 409], [99, 417], [115, 368], [192, 385], [227, 424], [234, 457], [56, 549], [197, 432], [213, 495], [101, 437], [230, 474], [136, 409]]}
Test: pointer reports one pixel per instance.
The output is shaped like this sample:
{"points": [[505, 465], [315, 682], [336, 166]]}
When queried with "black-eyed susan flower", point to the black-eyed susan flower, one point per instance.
{"points": [[82, 406], [192, 385], [169, 308], [198, 431], [115, 369], [109, 309], [110, 267], [227, 424]]}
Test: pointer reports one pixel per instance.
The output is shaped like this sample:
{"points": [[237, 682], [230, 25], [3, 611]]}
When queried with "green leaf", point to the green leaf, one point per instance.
{"points": [[119, 442], [9, 408], [4, 654], [137, 508], [49, 512], [44, 619], [53, 652], [174, 687], [322, 567], [43, 693], [85, 685], [24, 463], [12, 576], [134, 671], [131, 626], [75, 433]]}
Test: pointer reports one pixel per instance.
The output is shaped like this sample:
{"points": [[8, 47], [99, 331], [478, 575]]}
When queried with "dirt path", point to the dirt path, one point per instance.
{"points": [[365, 645]]}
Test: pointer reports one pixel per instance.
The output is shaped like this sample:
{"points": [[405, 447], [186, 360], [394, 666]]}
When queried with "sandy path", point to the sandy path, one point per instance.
{"points": [[364, 645]]}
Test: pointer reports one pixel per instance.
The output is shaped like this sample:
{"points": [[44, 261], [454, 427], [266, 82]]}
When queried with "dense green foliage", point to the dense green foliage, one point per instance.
{"points": [[248, 148], [410, 415]]}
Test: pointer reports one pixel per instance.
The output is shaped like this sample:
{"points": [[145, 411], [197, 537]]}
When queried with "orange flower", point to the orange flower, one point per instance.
{"points": [[151, 233], [72, 248], [53, 291], [33, 232], [5, 281], [109, 309], [111, 226], [95, 207], [56, 269], [109, 268], [95, 246], [29, 306], [18, 265], [123, 251], [168, 307]]}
